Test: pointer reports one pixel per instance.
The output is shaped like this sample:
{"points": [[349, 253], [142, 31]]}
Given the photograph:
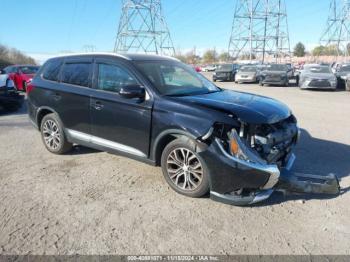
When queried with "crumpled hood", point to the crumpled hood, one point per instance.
{"points": [[248, 108]]}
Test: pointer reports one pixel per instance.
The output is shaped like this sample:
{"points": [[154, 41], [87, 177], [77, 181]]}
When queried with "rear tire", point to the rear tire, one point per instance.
{"points": [[184, 170], [53, 136]]}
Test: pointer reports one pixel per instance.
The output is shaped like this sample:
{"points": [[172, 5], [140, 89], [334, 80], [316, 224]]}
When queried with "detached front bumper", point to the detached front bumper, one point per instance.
{"points": [[229, 174]]}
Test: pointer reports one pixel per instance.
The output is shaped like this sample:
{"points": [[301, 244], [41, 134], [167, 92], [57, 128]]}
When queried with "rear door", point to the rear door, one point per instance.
{"points": [[72, 98], [119, 123]]}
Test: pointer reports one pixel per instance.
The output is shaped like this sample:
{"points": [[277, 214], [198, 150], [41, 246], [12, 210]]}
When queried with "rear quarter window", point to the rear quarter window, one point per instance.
{"points": [[52, 69]]}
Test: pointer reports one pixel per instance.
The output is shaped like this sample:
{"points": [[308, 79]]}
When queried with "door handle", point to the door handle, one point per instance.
{"points": [[57, 97], [98, 105]]}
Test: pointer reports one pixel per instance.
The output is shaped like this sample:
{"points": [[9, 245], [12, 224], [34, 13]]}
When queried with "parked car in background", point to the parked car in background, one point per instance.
{"points": [[157, 110], [21, 75], [274, 74], [209, 68], [10, 100], [247, 74], [342, 72], [317, 77], [225, 72], [198, 69], [4, 79], [291, 71], [347, 83]]}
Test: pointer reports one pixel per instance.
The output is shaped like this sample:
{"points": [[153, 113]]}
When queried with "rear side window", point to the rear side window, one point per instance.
{"points": [[52, 70], [76, 74]]}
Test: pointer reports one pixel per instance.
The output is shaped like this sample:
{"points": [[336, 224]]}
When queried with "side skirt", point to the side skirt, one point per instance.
{"points": [[106, 146]]}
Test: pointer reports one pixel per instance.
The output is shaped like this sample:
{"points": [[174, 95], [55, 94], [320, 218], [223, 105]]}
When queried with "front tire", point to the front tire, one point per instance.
{"points": [[53, 136], [184, 170]]}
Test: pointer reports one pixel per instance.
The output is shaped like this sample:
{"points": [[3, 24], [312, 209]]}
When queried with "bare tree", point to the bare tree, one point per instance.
{"points": [[10, 56]]}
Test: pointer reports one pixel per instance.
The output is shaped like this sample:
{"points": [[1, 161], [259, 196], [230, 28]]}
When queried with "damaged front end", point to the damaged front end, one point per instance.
{"points": [[248, 163]]}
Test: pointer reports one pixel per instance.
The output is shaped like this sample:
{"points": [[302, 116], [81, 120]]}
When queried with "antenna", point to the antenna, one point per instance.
{"points": [[260, 30], [142, 29]]}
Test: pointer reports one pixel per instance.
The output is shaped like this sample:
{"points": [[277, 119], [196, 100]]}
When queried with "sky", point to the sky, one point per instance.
{"points": [[46, 27]]}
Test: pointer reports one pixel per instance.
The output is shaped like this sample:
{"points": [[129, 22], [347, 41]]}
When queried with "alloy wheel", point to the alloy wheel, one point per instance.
{"points": [[51, 134], [184, 169]]}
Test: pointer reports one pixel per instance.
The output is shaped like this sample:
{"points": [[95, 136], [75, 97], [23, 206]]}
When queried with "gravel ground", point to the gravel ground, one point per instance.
{"points": [[91, 202]]}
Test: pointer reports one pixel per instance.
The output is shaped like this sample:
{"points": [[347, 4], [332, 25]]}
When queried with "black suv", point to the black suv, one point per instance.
{"points": [[275, 74], [158, 110], [225, 72]]}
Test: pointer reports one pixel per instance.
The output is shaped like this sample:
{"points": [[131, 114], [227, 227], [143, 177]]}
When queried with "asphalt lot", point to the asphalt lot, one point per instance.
{"points": [[90, 202]]}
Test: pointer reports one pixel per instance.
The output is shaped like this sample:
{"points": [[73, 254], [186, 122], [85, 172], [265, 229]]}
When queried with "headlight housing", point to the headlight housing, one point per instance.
{"points": [[240, 151]]}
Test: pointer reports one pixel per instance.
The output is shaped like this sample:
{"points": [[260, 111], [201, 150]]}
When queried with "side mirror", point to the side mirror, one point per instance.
{"points": [[133, 91]]}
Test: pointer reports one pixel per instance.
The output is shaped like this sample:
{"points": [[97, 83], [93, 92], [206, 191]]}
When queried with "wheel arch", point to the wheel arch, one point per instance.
{"points": [[163, 139], [41, 113]]}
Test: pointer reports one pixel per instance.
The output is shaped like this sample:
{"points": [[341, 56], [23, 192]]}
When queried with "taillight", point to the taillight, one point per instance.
{"points": [[29, 86]]}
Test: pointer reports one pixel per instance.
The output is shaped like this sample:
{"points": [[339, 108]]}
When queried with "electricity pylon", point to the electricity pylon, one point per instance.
{"points": [[142, 29], [260, 30], [337, 33]]}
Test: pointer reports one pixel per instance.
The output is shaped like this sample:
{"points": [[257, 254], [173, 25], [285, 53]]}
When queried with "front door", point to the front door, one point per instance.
{"points": [[119, 123]]}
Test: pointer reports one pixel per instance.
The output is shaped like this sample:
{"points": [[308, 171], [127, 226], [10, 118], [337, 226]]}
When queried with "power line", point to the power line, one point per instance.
{"points": [[72, 23]]}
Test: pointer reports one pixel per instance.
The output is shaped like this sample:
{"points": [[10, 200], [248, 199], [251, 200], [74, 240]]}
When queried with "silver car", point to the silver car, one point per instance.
{"points": [[247, 74], [317, 77], [347, 83]]}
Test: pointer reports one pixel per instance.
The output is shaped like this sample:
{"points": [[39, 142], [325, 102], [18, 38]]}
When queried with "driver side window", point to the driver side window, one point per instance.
{"points": [[112, 78]]}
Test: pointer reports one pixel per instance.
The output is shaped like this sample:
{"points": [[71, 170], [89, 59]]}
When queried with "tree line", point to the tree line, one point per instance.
{"points": [[210, 56], [331, 50], [11, 56]]}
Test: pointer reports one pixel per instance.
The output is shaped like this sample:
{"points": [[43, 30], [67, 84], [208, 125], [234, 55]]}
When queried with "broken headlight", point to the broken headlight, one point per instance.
{"points": [[241, 151]]}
